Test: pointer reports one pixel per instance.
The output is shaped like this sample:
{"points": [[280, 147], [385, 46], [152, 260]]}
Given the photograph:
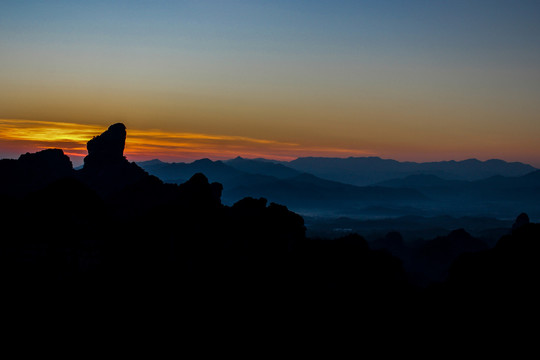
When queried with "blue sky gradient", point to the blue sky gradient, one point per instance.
{"points": [[416, 80]]}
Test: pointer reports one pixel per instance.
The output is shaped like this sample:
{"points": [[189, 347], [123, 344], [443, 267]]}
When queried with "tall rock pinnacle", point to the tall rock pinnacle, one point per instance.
{"points": [[107, 148], [106, 170]]}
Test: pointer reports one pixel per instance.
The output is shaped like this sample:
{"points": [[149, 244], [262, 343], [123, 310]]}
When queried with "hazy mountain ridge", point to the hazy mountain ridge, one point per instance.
{"points": [[301, 191], [413, 228], [262, 167], [525, 188], [307, 192], [370, 170], [417, 193]]}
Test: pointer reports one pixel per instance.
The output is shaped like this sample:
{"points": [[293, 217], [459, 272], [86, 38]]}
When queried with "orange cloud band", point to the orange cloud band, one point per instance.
{"points": [[149, 144]]}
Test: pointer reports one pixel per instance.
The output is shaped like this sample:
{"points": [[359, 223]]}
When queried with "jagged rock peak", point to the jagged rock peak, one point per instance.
{"points": [[111, 142], [52, 159], [109, 146], [521, 220]]}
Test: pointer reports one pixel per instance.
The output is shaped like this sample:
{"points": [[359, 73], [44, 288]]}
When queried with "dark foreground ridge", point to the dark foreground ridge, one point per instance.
{"points": [[111, 234]]}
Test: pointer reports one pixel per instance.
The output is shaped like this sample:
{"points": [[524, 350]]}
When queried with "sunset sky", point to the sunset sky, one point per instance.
{"points": [[411, 80]]}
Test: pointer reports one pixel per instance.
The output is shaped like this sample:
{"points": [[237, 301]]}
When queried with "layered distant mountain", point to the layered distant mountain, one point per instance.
{"points": [[369, 170], [496, 188], [178, 172], [228, 169], [460, 188], [262, 167], [278, 183], [360, 171]]}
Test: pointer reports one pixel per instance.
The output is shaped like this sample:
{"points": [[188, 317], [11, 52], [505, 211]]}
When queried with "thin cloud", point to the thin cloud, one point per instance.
{"points": [[155, 143]]}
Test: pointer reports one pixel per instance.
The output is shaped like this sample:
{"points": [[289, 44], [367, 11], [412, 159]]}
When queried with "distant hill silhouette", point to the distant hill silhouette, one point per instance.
{"points": [[179, 172], [417, 194], [495, 187], [308, 192], [502, 278], [33, 171], [300, 191], [262, 167], [412, 228], [493, 196], [370, 170]]}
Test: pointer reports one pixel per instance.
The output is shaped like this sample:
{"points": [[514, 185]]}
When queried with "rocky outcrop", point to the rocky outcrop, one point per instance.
{"points": [[106, 169], [34, 171], [107, 148], [521, 220], [47, 162]]}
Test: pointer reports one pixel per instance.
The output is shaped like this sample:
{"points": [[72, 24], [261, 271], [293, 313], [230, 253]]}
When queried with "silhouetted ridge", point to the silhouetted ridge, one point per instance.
{"points": [[370, 170], [503, 277], [49, 160], [66, 200], [198, 192], [107, 147], [521, 220], [105, 168], [429, 261], [259, 167], [33, 171], [204, 162]]}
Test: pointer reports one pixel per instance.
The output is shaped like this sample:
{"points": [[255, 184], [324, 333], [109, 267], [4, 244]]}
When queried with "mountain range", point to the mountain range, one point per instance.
{"points": [[370, 170], [301, 191], [111, 234], [508, 188], [460, 188]]}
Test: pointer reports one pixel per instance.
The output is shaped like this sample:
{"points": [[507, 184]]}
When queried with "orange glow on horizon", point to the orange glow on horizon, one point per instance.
{"points": [[151, 144]]}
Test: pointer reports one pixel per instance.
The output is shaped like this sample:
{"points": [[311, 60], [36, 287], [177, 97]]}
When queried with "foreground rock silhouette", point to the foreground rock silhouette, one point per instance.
{"points": [[33, 171], [107, 147], [105, 168], [112, 233]]}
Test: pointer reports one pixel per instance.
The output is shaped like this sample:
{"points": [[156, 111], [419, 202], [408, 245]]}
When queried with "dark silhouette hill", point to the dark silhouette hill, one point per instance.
{"points": [[370, 170], [421, 194], [301, 192], [34, 171], [495, 196], [519, 187], [422, 181], [309, 193], [501, 280], [412, 228], [261, 167], [348, 270], [494, 187], [431, 261], [112, 231], [179, 172]]}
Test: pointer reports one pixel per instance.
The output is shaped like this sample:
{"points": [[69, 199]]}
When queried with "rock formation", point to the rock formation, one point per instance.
{"points": [[33, 171], [521, 220], [107, 148], [106, 170]]}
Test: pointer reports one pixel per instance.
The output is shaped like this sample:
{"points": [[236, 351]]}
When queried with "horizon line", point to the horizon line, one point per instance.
{"points": [[20, 136]]}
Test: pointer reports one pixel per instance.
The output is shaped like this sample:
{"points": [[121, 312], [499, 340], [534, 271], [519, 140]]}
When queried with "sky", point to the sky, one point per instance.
{"points": [[416, 80]]}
